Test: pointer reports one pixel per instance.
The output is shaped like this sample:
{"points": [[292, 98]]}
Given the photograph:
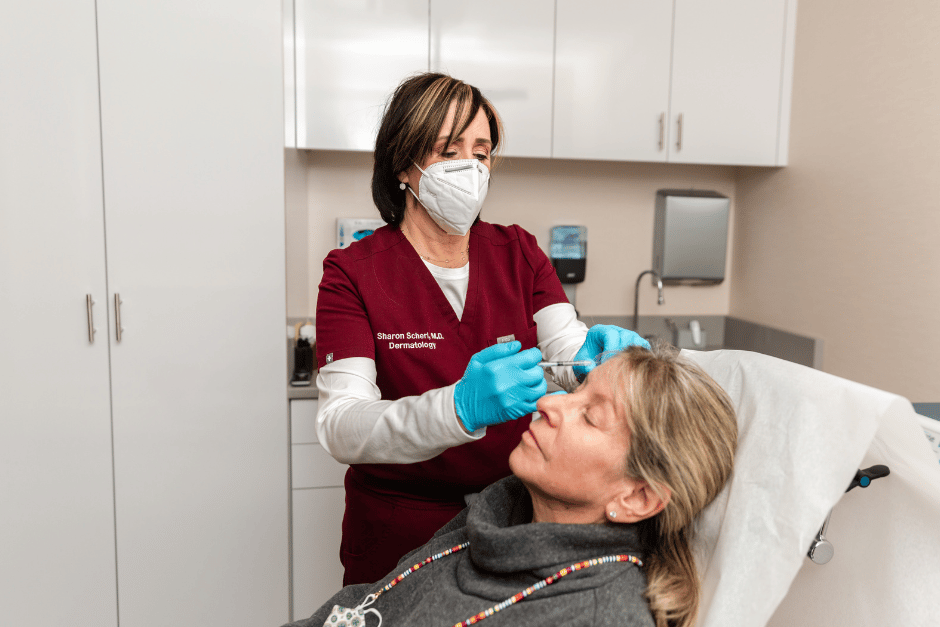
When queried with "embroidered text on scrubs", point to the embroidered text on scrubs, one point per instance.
{"points": [[410, 335], [428, 335], [393, 345]]}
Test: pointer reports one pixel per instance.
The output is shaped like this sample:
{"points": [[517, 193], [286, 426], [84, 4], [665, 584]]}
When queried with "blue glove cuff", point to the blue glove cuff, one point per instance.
{"points": [[460, 410]]}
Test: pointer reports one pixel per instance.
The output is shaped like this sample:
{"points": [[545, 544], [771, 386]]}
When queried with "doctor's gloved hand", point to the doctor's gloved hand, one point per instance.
{"points": [[603, 338], [500, 383]]}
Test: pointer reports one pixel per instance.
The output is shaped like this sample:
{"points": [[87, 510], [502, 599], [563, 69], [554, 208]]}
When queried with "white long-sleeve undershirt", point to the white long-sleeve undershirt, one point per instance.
{"points": [[356, 426]]}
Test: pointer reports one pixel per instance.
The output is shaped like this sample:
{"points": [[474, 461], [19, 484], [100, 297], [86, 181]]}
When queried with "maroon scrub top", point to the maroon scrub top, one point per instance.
{"points": [[378, 300]]}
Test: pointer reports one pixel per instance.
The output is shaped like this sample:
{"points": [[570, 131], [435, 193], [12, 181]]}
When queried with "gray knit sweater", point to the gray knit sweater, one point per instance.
{"points": [[506, 555]]}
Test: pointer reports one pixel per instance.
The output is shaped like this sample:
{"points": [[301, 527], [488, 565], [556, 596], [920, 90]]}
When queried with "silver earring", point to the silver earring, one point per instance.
{"points": [[402, 186], [613, 514]]}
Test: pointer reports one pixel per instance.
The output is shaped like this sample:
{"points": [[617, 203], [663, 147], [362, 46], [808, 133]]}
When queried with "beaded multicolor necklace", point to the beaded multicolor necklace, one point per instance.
{"points": [[358, 612]]}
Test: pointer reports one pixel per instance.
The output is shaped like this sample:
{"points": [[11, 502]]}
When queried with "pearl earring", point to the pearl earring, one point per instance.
{"points": [[402, 186], [613, 514]]}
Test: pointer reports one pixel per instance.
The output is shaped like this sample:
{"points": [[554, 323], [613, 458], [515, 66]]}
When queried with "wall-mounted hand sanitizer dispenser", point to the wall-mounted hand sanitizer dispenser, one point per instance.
{"points": [[690, 236], [568, 252]]}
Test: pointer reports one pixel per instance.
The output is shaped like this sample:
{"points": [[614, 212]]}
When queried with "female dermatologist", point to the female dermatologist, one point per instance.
{"points": [[430, 331]]}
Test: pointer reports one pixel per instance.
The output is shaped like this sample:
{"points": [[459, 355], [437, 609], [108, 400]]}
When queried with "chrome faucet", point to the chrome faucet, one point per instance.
{"points": [[636, 295]]}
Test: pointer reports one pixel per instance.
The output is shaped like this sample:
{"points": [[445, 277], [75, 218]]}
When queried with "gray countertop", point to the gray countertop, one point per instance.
{"points": [[308, 391]]}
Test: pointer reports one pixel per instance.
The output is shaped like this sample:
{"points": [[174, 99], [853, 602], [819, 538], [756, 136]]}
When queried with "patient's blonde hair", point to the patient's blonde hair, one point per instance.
{"points": [[683, 438]]}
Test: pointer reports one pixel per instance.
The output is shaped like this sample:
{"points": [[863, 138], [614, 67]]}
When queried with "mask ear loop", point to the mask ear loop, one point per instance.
{"points": [[369, 600], [411, 189]]}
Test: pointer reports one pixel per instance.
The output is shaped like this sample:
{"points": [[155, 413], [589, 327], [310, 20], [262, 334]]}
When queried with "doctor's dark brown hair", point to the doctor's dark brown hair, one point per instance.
{"points": [[683, 434], [413, 118]]}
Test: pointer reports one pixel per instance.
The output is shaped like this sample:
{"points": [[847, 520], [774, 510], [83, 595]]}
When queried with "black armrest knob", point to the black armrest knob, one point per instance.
{"points": [[863, 478]]}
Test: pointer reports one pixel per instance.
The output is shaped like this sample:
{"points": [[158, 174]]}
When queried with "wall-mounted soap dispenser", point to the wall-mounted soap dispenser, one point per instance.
{"points": [[568, 253], [690, 236]]}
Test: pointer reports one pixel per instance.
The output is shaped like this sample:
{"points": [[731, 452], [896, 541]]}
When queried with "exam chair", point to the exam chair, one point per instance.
{"points": [[803, 436]]}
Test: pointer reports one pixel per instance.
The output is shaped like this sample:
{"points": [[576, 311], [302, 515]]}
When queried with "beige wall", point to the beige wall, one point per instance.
{"points": [[296, 222], [844, 243], [614, 200]]}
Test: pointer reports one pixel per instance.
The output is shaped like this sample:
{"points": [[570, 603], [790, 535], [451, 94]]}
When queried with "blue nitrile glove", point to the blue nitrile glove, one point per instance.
{"points": [[603, 338], [500, 384]]}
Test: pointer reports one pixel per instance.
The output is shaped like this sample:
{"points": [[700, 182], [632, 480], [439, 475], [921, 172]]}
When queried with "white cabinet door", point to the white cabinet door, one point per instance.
{"points": [[729, 81], [313, 467], [318, 527], [612, 61], [57, 520], [505, 49], [192, 110], [318, 501], [351, 55], [684, 81]]}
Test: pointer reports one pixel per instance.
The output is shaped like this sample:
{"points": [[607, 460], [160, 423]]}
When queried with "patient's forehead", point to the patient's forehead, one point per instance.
{"points": [[610, 370]]}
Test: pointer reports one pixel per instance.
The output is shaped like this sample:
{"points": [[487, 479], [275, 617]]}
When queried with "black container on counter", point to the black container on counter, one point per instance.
{"points": [[303, 359]]}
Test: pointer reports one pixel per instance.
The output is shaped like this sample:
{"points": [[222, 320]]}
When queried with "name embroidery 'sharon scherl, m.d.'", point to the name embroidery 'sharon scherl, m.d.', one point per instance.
{"points": [[412, 340]]}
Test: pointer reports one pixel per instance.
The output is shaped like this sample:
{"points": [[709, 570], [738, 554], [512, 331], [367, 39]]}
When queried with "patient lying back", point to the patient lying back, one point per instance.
{"points": [[594, 527]]}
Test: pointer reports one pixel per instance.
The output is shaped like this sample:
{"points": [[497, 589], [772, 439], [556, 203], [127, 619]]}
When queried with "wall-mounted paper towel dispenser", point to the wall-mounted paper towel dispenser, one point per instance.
{"points": [[690, 236]]}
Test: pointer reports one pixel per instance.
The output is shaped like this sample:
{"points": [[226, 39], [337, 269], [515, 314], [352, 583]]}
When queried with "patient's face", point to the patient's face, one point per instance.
{"points": [[576, 452]]}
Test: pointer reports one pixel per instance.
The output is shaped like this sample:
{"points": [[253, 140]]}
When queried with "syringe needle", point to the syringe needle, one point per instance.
{"points": [[577, 362]]}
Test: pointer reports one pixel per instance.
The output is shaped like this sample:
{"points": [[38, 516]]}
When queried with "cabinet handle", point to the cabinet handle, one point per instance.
{"points": [[89, 303], [679, 135], [662, 130], [117, 316]]}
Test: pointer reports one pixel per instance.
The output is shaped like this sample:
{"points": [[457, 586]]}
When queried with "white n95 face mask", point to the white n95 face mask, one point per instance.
{"points": [[453, 193]]}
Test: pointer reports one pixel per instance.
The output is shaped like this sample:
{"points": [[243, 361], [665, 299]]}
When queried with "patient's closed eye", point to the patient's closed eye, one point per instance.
{"points": [[587, 417]]}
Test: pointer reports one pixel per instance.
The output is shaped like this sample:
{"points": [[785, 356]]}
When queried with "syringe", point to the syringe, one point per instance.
{"points": [[577, 362]]}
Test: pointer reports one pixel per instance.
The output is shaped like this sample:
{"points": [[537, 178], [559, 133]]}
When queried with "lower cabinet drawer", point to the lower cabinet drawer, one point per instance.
{"points": [[317, 528], [303, 421], [312, 467]]}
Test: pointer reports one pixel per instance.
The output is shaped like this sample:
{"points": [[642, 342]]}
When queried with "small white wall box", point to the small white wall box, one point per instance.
{"points": [[349, 230], [690, 236]]}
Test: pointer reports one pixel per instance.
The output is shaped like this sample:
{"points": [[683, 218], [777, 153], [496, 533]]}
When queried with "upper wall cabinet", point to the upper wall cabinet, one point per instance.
{"points": [[688, 81], [350, 56], [612, 79], [505, 49], [731, 76], [693, 82]]}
